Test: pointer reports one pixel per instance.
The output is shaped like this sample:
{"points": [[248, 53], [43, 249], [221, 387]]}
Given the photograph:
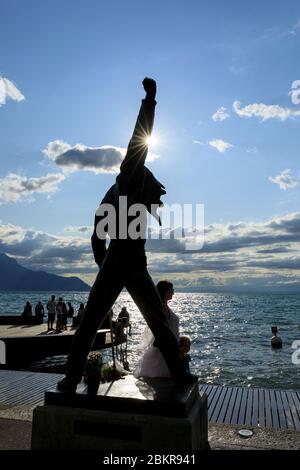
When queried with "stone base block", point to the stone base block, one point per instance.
{"points": [[82, 428]]}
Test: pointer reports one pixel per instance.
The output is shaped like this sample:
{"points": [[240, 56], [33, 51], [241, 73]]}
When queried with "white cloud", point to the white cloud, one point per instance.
{"points": [[15, 188], [235, 236], [243, 255], [220, 145], [52, 253], [105, 159], [152, 156], [236, 70], [264, 111], [221, 114], [295, 29], [81, 229], [11, 234], [56, 148], [285, 179], [252, 150], [9, 90], [233, 254]]}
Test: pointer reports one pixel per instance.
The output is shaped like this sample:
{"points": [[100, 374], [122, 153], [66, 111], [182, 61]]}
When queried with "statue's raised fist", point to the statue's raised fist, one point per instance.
{"points": [[150, 87]]}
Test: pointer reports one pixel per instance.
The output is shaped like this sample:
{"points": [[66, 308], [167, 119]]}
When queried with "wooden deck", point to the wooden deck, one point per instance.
{"points": [[25, 344], [251, 407], [24, 388], [267, 408], [20, 331]]}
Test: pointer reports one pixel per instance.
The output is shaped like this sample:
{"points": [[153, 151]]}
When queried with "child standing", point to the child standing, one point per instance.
{"points": [[184, 348]]}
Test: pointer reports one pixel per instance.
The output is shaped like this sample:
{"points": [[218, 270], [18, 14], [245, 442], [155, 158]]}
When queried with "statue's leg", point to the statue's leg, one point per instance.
{"points": [[144, 293], [103, 294]]}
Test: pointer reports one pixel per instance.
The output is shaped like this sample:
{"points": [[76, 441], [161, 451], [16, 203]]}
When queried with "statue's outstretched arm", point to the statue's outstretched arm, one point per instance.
{"points": [[138, 147]]}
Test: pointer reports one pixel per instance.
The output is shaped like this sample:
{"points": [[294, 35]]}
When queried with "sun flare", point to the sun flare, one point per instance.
{"points": [[151, 140]]}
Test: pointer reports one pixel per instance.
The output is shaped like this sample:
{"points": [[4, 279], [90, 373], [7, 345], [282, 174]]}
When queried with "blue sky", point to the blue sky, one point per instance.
{"points": [[71, 72]]}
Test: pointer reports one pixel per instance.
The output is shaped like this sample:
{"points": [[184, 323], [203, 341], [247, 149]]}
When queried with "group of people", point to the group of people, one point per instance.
{"points": [[58, 312], [39, 312]]}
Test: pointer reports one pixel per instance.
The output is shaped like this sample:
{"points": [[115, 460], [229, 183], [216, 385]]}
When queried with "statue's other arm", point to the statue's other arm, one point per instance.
{"points": [[98, 245], [98, 240]]}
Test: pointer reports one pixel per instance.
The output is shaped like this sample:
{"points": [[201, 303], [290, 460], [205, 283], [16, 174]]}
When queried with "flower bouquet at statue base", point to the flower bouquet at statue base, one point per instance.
{"points": [[111, 372], [92, 371]]}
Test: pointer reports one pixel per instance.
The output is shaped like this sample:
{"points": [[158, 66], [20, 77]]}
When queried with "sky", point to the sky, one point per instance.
{"points": [[226, 126]]}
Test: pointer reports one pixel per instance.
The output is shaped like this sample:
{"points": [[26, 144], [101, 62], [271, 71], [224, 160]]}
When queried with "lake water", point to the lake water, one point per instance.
{"points": [[230, 333]]}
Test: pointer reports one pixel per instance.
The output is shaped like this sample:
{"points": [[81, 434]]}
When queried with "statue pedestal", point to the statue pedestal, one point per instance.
{"points": [[124, 414]]}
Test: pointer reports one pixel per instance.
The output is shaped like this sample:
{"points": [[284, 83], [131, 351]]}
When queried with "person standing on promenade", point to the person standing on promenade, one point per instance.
{"points": [[59, 312], [124, 263], [39, 312], [124, 319], [79, 315], [51, 308], [27, 312], [185, 347], [70, 313]]}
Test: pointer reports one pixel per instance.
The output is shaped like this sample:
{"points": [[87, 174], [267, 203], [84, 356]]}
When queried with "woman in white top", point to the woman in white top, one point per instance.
{"points": [[152, 363]]}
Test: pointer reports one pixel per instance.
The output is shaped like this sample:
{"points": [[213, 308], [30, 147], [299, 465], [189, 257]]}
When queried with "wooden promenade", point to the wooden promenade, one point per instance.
{"points": [[251, 407], [266, 408], [25, 344]]}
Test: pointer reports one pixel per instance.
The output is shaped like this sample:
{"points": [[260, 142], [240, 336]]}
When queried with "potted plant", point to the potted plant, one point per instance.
{"points": [[92, 370]]}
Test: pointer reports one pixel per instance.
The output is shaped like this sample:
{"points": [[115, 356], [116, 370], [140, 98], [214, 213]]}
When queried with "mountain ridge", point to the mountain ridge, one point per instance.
{"points": [[18, 278]]}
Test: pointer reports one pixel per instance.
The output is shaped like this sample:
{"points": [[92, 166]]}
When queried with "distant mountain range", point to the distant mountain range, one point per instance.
{"points": [[16, 277]]}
